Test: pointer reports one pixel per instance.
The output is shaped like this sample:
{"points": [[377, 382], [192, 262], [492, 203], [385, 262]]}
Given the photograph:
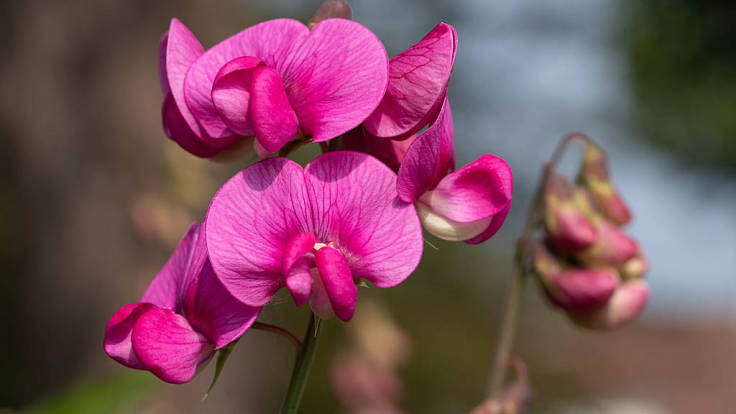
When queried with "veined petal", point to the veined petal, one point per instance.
{"points": [[274, 122], [335, 77], [182, 50], [338, 281], [418, 79], [478, 190], [447, 229], [176, 128], [428, 159], [249, 223], [166, 288], [117, 334], [355, 205], [270, 41], [168, 346], [214, 312], [389, 151], [231, 94]]}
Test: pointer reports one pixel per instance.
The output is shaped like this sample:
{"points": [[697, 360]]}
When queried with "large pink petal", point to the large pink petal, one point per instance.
{"points": [[269, 41], [418, 79], [429, 158], [168, 346], [335, 77], [478, 190], [231, 93], [166, 288], [355, 205], [249, 223], [118, 331], [274, 121], [176, 128], [182, 50], [338, 281]]}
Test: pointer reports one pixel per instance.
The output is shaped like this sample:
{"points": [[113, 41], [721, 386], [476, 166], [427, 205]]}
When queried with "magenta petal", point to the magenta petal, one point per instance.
{"points": [[163, 78], [249, 223], [166, 288], [338, 281], [274, 121], [168, 346], [429, 158], [355, 206], [270, 41], [297, 246], [495, 225], [215, 312], [476, 191], [335, 77], [390, 152], [176, 128], [117, 334], [418, 79], [299, 281], [231, 92], [182, 50]]}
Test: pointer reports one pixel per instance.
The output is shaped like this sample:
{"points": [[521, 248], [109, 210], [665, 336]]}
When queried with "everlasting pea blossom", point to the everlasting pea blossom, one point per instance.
{"points": [[469, 204], [274, 81], [315, 230], [184, 316]]}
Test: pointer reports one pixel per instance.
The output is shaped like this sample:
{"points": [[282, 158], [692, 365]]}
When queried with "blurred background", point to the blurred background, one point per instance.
{"points": [[93, 197]]}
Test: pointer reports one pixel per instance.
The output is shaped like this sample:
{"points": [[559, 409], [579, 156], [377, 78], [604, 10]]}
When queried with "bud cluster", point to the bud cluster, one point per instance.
{"points": [[586, 263]]}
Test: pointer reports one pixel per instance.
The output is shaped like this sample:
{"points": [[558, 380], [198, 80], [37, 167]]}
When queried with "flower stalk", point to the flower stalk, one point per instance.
{"points": [[302, 366]]}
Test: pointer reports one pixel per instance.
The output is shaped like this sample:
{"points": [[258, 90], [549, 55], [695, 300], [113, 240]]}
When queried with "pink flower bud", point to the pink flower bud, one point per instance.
{"points": [[568, 229], [612, 247], [624, 306], [573, 288], [515, 398], [595, 177]]}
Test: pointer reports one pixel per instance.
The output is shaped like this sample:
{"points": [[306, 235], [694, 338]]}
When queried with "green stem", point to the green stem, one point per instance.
{"points": [[302, 366], [519, 275], [280, 331]]}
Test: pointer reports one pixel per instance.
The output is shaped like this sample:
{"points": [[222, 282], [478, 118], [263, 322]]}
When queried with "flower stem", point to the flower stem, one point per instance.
{"points": [[280, 331], [519, 273], [302, 366]]}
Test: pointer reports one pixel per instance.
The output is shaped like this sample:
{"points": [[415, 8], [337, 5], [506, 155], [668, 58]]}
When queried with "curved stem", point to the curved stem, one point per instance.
{"points": [[508, 325], [302, 366], [280, 331]]}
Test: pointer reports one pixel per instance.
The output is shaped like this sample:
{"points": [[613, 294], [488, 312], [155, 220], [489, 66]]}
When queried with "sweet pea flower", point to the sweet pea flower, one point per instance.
{"points": [[275, 81], [184, 316], [469, 204], [418, 79], [316, 230]]}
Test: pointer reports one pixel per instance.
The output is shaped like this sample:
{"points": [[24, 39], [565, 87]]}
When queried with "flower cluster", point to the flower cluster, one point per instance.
{"points": [[587, 264], [353, 214]]}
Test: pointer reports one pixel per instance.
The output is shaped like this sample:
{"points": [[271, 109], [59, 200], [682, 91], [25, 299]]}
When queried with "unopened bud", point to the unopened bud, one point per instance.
{"points": [[573, 288], [331, 9], [568, 229], [634, 268], [612, 247], [515, 398], [624, 306], [595, 177]]}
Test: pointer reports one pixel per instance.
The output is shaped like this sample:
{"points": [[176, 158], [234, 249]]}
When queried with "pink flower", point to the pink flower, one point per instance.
{"points": [[315, 230], [418, 79], [274, 81], [469, 204], [184, 316]]}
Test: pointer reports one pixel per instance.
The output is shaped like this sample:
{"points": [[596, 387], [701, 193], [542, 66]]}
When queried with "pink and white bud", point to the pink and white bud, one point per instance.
{"points": [[568, 229], [612, 247], [573, 289], [595, 177], [624, 306]]}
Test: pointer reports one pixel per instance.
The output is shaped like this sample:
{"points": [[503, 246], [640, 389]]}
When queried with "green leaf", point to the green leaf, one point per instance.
{"points": [[222, 356]]}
